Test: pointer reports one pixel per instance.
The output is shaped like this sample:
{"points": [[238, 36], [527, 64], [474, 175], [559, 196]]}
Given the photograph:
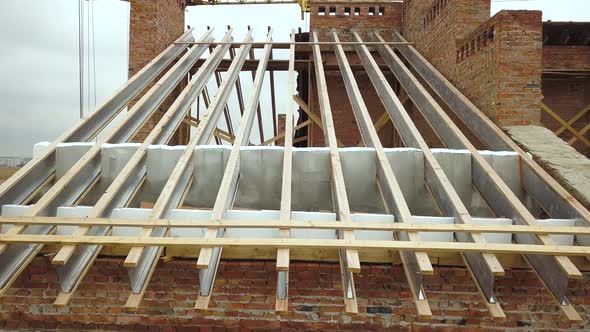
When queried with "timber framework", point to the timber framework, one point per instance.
{"points": [[86, 193]]}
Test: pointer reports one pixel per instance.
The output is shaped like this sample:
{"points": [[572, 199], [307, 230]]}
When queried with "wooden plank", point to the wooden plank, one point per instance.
{"points": [[273, 103], [394, 198], [298, 224], [258, 109], [349, 260], [281, 302], [238, 84], [292, 244], [488, 132], [582, 132], [208, 259]]}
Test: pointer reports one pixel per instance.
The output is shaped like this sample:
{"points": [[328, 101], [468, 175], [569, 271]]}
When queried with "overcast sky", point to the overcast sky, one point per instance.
{"points": [[39, 58]]}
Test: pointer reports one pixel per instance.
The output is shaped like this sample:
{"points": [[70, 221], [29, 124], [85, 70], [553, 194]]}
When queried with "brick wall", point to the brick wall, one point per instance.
{"points": [[244, 295], [364, 17], [496, 62], [566, 58], [154, 25]]}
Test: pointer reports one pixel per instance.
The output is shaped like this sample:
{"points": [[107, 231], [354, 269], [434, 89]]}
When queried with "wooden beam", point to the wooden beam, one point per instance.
{"points": [[291, 243], [414, 263], [314, 117], [219, 133], [281, 302], [258, 108], [582, 132], [307, 224], [349, 259], [209, 257], [232, 54], [553, 270], [273, 103]]}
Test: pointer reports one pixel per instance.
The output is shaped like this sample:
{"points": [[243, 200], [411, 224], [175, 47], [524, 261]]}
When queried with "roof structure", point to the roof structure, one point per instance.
{"points": [[83, 195]]}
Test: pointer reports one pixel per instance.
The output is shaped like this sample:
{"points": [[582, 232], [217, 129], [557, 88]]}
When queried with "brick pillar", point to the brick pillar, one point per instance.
{"points": [[154, 25], [496, 62], [364, 17]]}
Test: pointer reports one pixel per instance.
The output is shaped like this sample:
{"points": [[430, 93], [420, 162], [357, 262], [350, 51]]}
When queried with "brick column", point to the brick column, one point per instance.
{"points": [[154, 25]]}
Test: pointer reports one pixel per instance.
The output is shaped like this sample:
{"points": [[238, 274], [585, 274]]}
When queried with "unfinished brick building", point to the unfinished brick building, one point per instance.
{"points": [[421, 87]]}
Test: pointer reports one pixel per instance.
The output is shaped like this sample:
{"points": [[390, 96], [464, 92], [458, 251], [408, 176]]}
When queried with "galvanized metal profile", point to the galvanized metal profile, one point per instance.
{"points": [[483, 266], [142, 261], [27, 181], [130, 178], [392, 193], [209, 257], [547, 192], [84, 173], [554, 271]]}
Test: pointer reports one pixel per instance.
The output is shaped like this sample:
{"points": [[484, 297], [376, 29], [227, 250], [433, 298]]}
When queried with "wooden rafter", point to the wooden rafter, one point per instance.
{"points": [[77, 252]]}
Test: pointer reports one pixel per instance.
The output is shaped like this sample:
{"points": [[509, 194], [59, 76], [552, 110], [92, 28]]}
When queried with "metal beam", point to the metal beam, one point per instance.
{"points": [[553, 271], [128, 181], [209, 257], [484, 267], [142, 262], [393, 196], [349, 260], [27, 180], [84, 173]]}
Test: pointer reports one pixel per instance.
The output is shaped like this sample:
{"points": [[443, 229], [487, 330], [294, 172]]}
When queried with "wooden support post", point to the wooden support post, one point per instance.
{"points": [[258, 109]]}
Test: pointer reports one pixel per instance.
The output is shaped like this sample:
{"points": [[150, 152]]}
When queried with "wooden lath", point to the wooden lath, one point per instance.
{"points": [[77, 253]]}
